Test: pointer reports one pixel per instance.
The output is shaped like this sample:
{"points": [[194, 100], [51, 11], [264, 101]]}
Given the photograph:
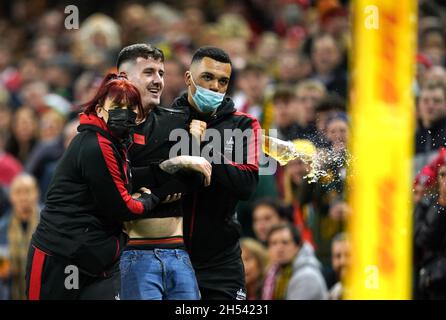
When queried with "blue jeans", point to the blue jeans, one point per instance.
{"points": [[159, 274]]}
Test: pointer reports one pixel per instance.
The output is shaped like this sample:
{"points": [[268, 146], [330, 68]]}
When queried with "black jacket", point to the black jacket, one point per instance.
{"points": [[430, 139], [430, 250], [430, 228], [210, 225], [88, 200], [151, 146]]}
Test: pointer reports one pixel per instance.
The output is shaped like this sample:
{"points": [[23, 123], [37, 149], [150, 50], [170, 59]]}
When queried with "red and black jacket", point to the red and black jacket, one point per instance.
{"points": [[88, 200], [210, 226]]}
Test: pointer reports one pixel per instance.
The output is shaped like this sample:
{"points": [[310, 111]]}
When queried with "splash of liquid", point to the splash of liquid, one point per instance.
{"points": [[318, 160]]}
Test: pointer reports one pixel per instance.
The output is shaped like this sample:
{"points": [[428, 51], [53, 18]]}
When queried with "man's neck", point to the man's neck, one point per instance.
{"points": [[427, 124], [192, 103], [26, 214], [147, 111]]}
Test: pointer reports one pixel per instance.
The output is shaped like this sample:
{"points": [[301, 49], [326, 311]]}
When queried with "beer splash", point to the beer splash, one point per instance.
{"points": [[318, 160]]}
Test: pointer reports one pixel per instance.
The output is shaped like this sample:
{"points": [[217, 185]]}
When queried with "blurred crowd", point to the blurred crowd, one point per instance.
{"points": [[290, 72]]}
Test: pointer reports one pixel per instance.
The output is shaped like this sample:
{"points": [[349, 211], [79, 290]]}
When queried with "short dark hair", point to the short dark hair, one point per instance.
{"points": [[139, 50], [339, 237], [254, 66], [284, 92], [331, 102], [211, 52], [275, 204], [429, 31], [295, 234], [433, 85]]}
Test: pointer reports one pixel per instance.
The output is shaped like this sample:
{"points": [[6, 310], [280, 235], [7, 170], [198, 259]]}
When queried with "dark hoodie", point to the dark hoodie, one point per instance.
{"points": [[88, 199], [210, 225], [429, 139]]}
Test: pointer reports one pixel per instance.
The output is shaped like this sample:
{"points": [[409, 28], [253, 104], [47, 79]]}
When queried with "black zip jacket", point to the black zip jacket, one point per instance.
{"points": [[151, 146], [88, 199], [430, 139], [210, 225]]}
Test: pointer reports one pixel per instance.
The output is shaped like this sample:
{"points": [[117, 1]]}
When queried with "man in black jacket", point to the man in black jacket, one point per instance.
{"points": [[155, 265], [210, 227], [430, 239], [431, 127]]}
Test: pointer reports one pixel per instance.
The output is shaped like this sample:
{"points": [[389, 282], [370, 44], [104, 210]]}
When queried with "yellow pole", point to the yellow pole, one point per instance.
{"points": [[383, 115]]}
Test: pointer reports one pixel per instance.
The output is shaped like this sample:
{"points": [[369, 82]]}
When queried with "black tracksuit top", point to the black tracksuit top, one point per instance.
{"points": [[88, 199], [210, 225], [151, 146]]}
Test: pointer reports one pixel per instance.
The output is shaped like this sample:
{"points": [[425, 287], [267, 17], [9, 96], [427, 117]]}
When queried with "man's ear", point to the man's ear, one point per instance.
{"points": [[187, 78]]}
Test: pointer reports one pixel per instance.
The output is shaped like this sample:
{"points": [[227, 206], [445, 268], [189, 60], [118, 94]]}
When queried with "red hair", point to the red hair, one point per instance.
{"points": [[120, 90]]}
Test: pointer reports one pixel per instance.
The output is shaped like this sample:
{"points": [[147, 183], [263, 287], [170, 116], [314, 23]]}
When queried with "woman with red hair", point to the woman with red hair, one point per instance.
{"points": [[75, 251]]}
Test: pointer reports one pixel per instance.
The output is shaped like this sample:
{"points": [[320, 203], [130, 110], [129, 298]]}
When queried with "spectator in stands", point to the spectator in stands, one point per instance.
{"points": [[340, 261], [329, 105], [255, 261], [295, 272], [293, 67], [266, 213], [433, 45], [5, 111], [42, 162], [24, 134], [9, 166], [251, 94], [327, 57], [308, 94], [431, 129], [429, 237], [285, 112], [174, 81], [16, 229]]}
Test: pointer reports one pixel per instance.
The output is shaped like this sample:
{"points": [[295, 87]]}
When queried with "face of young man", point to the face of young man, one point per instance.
{"points": [[209, 74], [264, 217], [432, 105], [281, 246], [148, 76], [337, 133], [340, 257], [24, 197], [284, 112], [307, 99]]}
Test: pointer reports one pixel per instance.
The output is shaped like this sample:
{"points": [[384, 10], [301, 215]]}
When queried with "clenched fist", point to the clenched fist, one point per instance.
{"points": [[197, 129]]}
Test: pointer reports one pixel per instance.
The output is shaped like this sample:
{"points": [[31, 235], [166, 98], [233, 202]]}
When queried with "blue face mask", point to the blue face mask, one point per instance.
{"points": [[205, 99]]}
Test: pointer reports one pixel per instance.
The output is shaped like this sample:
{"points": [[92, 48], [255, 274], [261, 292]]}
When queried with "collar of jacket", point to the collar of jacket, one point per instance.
{"points": [[437, 124], [226, 108], [93, 123]]}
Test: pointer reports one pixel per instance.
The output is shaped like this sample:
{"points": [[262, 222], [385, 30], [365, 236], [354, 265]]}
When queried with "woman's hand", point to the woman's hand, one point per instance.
{"points": [[142, 190]]}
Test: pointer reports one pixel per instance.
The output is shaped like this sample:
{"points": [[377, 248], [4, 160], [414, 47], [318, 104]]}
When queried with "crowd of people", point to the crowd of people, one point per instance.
{"points": [[289, 72]]}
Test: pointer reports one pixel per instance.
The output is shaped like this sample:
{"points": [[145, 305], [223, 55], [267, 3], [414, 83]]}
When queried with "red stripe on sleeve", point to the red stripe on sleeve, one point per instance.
{"points": [[253, 146], [133, 205], [35, 279]]}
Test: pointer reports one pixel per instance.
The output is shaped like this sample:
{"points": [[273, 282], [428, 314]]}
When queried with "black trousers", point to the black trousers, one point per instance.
{"points": [[222, 278], [50, 277]]}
